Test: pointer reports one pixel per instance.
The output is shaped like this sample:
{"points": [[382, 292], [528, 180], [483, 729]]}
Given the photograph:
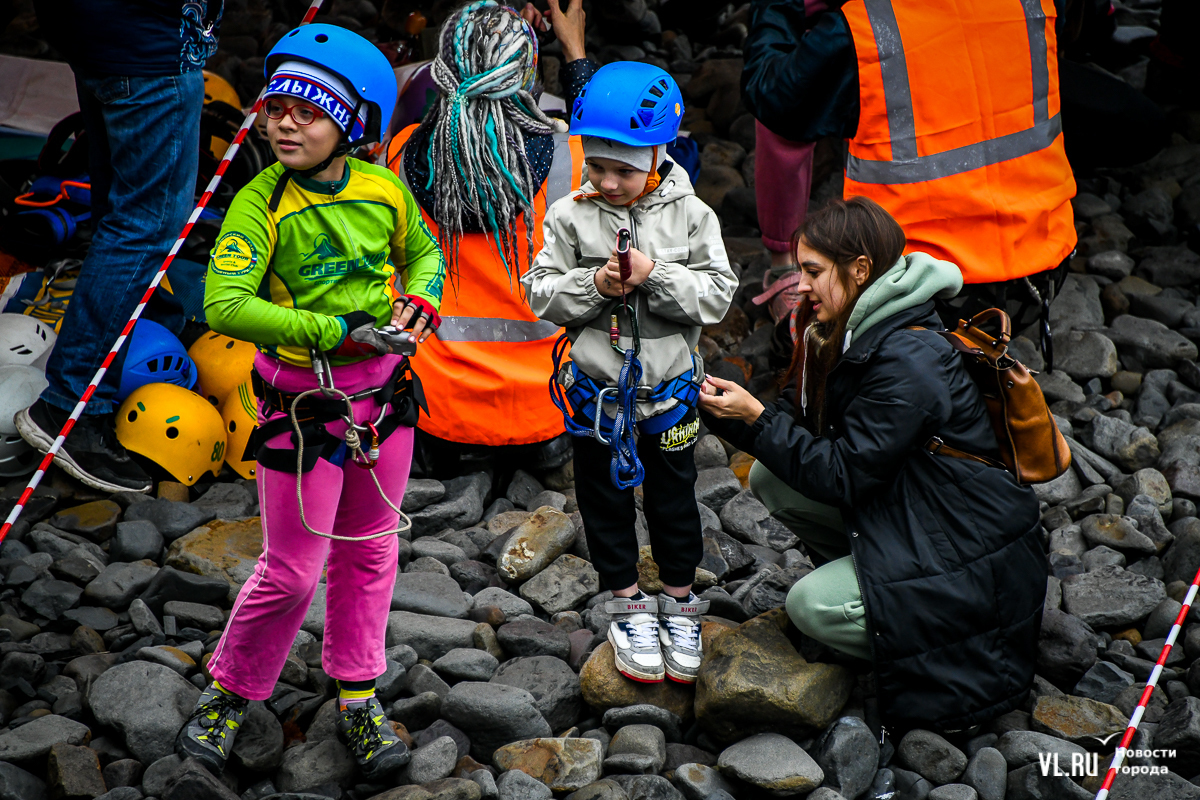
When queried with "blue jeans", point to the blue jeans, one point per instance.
{"points": [[143, 151]]}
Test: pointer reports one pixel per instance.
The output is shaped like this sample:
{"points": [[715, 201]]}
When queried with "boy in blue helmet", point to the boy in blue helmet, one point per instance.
{"points": [[314, 254], [680, 281]]}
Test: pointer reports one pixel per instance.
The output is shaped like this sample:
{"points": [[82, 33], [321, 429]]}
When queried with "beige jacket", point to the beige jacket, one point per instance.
{"points": [[691, 285]]}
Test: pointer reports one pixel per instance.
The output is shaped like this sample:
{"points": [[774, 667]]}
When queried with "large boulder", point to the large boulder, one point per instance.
{"points": [[227, 550], [753, 680], [534, 544], [148, 703], [493, 715], [431, 637], [564, 765], [604, 687]]}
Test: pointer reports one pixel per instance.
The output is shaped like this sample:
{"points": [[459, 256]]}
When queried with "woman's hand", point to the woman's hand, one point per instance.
{"points": [[569, 28], [403, 311], [734, 402], [534, 17]]}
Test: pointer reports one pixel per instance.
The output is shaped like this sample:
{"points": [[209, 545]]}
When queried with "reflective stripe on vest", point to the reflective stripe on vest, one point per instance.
{"points": [[906, 165]]}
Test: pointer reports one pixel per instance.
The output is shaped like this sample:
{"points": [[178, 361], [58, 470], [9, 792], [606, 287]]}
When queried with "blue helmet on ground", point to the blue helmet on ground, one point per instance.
{"points": [[339, 72], [629, 102], [155, 355]]}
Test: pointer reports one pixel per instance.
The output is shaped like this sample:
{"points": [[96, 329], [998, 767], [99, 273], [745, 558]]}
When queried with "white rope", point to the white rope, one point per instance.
{"points": [[354, 444]]}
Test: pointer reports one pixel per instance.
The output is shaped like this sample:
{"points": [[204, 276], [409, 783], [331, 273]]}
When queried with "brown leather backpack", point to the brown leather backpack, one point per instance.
{"points": [[1031, 446]]}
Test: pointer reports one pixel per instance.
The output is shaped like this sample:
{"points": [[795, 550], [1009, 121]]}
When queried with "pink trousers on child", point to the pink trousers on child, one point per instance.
{"points": [[361, 575]]}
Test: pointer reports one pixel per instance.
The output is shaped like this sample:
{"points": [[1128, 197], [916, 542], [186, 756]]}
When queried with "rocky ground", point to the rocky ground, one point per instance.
{"points": [[498, 671]]}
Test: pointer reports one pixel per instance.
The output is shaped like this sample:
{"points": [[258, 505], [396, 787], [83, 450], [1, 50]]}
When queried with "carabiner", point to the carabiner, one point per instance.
{"points": [[612, 390]]}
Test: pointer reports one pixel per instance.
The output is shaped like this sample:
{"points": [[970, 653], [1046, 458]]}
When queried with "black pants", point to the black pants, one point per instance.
{"points": [[669, 504]]}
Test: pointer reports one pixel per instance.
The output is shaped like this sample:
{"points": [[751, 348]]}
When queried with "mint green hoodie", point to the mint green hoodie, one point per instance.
{"points": [[915, 279]]}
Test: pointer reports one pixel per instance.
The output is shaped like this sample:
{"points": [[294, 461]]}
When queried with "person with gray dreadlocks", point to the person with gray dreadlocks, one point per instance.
{"points": [[484, 165]]}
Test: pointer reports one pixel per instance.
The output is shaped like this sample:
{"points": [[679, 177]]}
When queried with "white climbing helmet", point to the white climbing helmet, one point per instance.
{"points": [[25, 341], [19, 387]]}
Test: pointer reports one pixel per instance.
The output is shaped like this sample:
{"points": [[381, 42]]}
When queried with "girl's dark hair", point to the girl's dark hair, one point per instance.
{"points": [[841, 230]]}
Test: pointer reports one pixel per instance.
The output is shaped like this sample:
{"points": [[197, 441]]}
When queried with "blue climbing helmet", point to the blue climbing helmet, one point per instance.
{"points": [[353, 61], [629, 102], [155, 355]]}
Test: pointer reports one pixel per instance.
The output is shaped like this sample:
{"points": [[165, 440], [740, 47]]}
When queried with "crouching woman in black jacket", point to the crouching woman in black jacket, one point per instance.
{"points": [[936, 571]]}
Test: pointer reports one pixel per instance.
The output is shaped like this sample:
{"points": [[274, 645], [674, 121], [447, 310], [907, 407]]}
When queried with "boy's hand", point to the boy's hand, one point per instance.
{"points": [[608, 277]]}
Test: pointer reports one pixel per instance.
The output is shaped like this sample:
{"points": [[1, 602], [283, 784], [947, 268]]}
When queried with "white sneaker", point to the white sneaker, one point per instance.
{"points": [[634, 635], [679, 634]]}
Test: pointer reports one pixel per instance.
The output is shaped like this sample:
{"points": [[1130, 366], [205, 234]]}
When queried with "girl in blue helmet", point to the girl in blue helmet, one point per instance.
{"points": [[680, 281], [314, 254]]}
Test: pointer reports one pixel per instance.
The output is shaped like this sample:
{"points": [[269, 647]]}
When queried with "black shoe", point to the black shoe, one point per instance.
{"points": [[91, 453]]}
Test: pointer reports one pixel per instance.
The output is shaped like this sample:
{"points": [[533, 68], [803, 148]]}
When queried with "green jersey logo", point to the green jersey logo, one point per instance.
{"points": [[323, 249], [233, 255]]}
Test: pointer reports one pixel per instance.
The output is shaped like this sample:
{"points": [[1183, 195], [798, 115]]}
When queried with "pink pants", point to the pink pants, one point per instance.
{"points": [[782, 184], [361, 575]]}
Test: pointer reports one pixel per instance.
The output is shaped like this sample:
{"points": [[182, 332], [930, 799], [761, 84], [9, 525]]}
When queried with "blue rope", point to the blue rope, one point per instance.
{"points": [[626, 470]]}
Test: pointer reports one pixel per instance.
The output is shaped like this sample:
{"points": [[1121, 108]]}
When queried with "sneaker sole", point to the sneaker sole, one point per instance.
{"points": [[680, 677], [38, 438], [632, 673], [210, 760]]}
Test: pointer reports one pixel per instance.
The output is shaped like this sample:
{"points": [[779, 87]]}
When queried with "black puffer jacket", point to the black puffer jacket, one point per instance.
{"points": [[948, 552]]}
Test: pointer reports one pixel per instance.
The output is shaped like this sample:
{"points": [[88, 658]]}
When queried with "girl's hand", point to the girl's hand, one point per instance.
{"points": [[402, 313], [734, 402], [534, 18], [568, 28]]}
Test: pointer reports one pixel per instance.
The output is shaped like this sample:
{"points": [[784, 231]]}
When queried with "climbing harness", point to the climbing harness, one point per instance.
{"points": [[588, 396], [367, 460]]}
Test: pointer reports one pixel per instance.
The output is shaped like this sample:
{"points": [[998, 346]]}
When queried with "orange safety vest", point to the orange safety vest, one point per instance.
{"points": [[959, 135], [486, 373]]}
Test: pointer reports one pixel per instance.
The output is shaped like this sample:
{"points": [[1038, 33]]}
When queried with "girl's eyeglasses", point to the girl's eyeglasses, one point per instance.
{"points": [[301, 113]]}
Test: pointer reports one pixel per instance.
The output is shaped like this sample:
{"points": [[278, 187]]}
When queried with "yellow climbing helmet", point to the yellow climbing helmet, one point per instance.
{"points": [[220, 90], [174, 428], [222, 362], [240, 413]]}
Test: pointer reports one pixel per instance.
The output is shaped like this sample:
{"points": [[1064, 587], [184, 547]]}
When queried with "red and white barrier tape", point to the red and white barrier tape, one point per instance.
{"points": [[137, 312], [1135, 720]]}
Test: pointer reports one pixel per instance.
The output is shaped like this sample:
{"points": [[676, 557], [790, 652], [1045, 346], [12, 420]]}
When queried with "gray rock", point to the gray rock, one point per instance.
{"points": [[534, 544], [1144, 510], [135, 540], [433, 761], [429, 593], [1103, 682], [644, 714], [516, 785], [548, 499], [315, 764], [650, 787], [416, 712], [122, 793], [1085, 355], [1128, 445], [1066, 648], [461, 507], [49, 597], [931, 756], [1057, 385], [910, 785], [440, 728], [466, 664], [532, 637], [120, 583], [154, 779], [171, 518], [393, 680], [193, 780], [522, 489], [773, 762], [486, 783], [1151, 342], [1111, 596], [772, 590], [848, 752], [34, 739], [143, 619], [1179, 731], [701, 782], [493, 715], [1077, 306], [710, 452], [17, 784], [637, 749], [554, 686], [716, 487], [1059, 490], [1068, 539], [227, 501], [1112, 264], [987, 774], [147, 702], [259, 743], [747, 519], [1169, 786], [195, 615], [1161, 619], [172, 584], [1028, 783], [1020, 748], [421, 492], [562, 585], [402, 654], [443, 552], [430, 637], [509, 603], [953, 791], [422, 680], [1118, 532]]}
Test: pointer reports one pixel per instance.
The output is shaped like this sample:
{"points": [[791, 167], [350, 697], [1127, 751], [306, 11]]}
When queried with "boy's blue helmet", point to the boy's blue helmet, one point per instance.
{"points": [[629, 102], [155, 355], [353, 59]]}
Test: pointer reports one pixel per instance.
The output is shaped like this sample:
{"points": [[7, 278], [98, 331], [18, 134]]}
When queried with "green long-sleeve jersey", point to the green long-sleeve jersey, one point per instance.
{"points": [[280, 278]]}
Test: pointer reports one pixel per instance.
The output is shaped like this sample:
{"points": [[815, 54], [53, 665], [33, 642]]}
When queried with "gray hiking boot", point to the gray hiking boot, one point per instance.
{"points": [[633, 633], [208, 734], [365, 729], [679, 632]]}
